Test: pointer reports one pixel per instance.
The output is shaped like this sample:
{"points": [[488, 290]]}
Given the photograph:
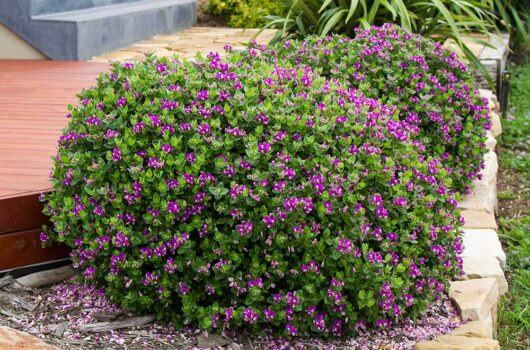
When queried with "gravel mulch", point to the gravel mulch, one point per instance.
{"points": [[57, 313]]}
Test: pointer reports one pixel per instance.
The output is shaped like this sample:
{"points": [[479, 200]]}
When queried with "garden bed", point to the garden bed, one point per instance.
{"points": [[61, 310], [475, 297]]}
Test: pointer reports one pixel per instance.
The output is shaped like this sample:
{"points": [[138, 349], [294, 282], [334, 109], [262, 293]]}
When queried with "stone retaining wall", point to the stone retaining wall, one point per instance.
{"points": [[476, 294]]}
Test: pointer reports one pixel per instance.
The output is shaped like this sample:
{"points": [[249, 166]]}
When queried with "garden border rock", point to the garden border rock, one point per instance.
{"points": [[478, 291]]}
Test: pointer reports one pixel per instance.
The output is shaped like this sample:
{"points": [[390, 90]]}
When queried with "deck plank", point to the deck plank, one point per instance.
{"points": [[34, 96]]}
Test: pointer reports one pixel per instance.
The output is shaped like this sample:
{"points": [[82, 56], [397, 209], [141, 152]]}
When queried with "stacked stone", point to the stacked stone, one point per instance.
{"points": [[477, 293], [187, 43]]}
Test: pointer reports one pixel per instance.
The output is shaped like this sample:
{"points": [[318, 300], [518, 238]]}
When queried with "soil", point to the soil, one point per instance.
{"points": [[517, 203]]}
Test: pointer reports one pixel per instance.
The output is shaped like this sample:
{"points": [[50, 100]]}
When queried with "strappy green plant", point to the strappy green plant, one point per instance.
{"points": [[440, 20]]}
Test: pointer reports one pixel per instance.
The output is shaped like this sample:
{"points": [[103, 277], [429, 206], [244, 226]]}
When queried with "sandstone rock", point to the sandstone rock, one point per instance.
{"points": [[476, 329], [479, 219], [489, 324], [450, 342], [478, 343], [483, 243], [11, 339], [164, 39], [491, 142], [119, 56], [484, 196], [493, 102], [484, 267], [496, 126], [474, 299]]}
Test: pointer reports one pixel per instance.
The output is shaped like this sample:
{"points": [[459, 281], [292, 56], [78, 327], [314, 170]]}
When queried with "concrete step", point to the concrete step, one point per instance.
{"points": [[105, 28], [87, 28], [43, 7]]}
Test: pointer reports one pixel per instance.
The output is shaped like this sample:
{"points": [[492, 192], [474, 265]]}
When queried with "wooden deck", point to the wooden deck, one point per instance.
{"points": [[34, 96]]}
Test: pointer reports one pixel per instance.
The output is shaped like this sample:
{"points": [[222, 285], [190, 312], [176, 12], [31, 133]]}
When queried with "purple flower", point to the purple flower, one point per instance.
{"points": [[202, 95], [121, 240], [167, 148], [245, 228], [291, 330], [173, 207], [190, 157], [204, 129], [183, 288], [400, 202], [250, 316], [264, 147], [89, 272], [269, 220], [155, 163], [43, 237], [375, 257], [269, 314], [93, 120], [121, 102], [344, 246], [116, 154], [328, 207]]}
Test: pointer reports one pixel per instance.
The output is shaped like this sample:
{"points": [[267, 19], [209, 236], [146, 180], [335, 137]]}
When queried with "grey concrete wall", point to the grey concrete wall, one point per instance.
{"points": [[93, 27]]}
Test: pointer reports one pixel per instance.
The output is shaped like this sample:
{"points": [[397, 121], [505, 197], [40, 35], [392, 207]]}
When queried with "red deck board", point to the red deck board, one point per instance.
{"points": [[34, 96]]}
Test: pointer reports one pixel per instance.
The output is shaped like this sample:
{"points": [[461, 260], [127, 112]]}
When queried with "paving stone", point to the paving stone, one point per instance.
{"points": [[485, 267], [479, 219], [483, 243], [474, 299], [484, 196], [454, 342], [474, 329], [166, 39], [119, 56], [190, 41], [11, 339], [142, 48], [496, 126]]}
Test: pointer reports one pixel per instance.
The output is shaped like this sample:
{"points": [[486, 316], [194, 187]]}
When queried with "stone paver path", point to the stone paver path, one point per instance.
{"points": [[188, 42]]}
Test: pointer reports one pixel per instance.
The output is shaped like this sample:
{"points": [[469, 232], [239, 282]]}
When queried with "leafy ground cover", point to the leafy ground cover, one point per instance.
{"points": [[514, 196], [288, 210]]}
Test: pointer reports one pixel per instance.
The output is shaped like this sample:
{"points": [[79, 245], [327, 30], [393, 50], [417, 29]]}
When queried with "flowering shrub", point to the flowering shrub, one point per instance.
{"points": [[431, 88], [212, 194]]}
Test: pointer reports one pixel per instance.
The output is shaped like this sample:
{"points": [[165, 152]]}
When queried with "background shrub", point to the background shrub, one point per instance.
{"points": [[439, 20], [244, 13], [216, 195], [431, 88]]}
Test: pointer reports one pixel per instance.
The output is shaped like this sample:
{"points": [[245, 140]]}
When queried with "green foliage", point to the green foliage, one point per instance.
{"points": [[516, 125], [222, 194], [438, 19], [514, 16], [244, 13], [431, 88], [514, 313]]}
